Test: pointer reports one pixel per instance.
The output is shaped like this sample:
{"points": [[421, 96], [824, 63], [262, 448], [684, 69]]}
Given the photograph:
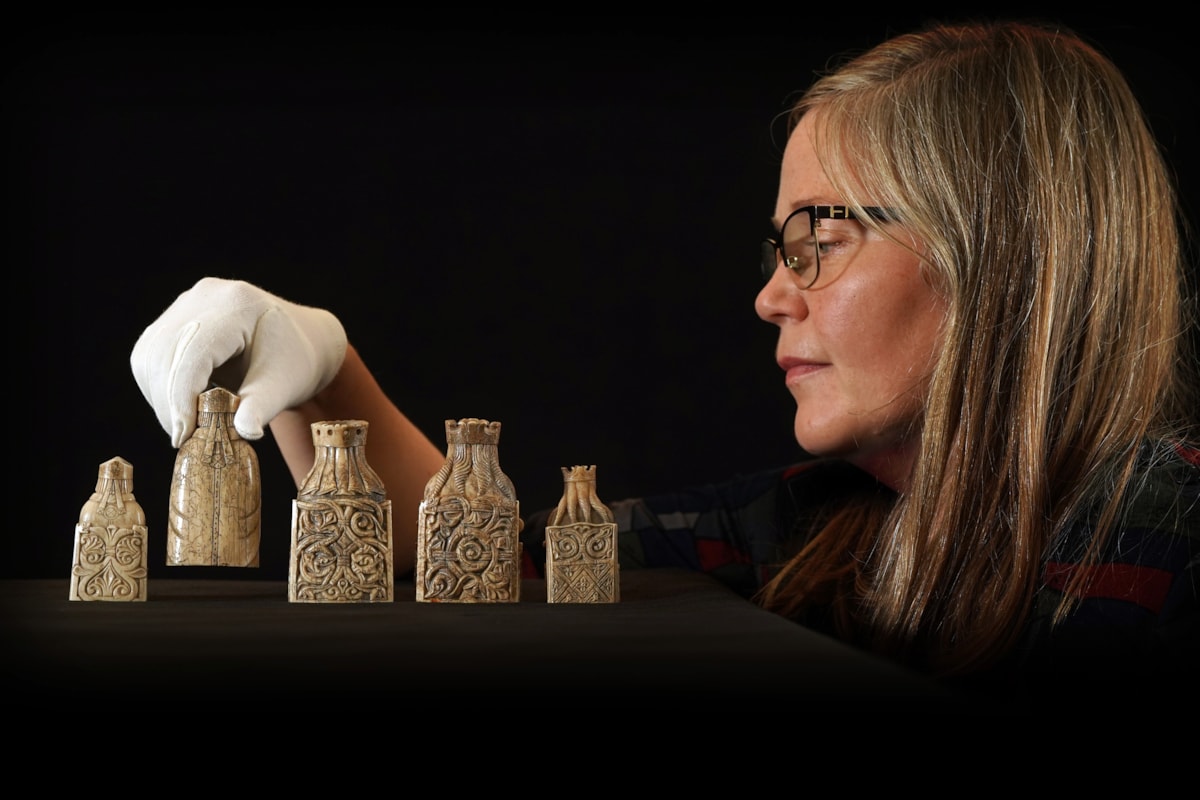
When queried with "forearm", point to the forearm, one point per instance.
{"points": [[403, 457]]}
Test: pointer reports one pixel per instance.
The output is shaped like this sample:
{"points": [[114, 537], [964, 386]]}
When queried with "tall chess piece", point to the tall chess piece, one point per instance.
{"points": [[468, 550], [341, 523], [216, 491], [110, 540], [581, 544]]}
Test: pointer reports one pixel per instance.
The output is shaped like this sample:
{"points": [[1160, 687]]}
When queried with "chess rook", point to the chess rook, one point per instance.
{"points": [[341, 549], [468, 550]]}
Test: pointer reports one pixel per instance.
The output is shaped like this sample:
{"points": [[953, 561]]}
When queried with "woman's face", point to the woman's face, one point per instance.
{"points": [[856, 350]]}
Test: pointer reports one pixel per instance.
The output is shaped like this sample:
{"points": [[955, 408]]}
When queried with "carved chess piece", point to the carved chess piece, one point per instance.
{"points": [[341, 523], [468, 550], [581, 544], [216, 491], [110, 540]]}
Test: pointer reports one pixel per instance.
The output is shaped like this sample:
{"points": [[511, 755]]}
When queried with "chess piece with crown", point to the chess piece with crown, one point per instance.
{"points": [[216, 492], [468, 550], [581, 544]]}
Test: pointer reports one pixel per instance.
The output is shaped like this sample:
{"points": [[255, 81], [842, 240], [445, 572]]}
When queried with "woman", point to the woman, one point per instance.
{"points": [[982, 321], [1028, 428]]}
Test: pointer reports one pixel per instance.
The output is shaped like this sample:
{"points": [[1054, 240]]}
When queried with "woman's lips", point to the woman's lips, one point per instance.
{"points": [[798, 368]]}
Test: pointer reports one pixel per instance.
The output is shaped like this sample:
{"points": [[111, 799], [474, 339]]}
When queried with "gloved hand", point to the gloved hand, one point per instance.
{"points": [[272, 353]]}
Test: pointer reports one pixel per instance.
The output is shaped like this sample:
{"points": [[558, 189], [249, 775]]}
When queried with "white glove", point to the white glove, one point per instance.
{"points": [[272, 353]]}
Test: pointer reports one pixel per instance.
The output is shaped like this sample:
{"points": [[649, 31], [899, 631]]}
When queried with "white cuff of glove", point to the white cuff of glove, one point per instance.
{"points": [[272, 353]]}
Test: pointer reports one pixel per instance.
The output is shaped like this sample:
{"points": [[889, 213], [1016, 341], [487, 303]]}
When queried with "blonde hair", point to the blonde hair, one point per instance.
{"points": [[1019, 156]]}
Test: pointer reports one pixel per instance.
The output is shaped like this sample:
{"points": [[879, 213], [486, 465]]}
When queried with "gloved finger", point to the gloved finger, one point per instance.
{"points": [[155, 362], [198, 351], [143, 363], [249, 420], [283, 370]]}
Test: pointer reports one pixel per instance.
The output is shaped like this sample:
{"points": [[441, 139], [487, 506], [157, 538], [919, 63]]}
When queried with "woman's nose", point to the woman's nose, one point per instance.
{"points": [[780, 299]]}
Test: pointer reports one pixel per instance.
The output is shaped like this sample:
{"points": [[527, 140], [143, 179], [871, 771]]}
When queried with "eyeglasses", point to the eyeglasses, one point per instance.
{"points": [[813, 237]]}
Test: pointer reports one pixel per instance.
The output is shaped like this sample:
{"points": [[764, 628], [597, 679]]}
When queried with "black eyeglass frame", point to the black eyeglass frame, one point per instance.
{"points": [[772, 252]]}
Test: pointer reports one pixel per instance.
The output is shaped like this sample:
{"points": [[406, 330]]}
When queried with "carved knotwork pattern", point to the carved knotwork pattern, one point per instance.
{"points": [[110, 563], [582, 563], [469, 551], [341, 551]]}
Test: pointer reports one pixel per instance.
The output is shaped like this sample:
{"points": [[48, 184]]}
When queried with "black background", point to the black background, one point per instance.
{"points": [[555, 227]]}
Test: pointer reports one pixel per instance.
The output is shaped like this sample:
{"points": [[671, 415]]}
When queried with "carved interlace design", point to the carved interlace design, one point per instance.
{"points": [[469, 551], [342, 551]]}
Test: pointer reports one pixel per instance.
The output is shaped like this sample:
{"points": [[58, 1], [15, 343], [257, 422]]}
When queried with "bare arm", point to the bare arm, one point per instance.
{"points": [[403, 457]]}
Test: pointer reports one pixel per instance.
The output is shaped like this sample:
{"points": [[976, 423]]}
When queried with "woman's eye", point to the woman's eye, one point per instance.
{"points": [[828, 246]]}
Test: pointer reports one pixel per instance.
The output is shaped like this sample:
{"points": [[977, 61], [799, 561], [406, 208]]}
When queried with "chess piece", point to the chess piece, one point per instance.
{"points": [[468, 550], [110, 540], [216, 491], [341, 523], [581, 544]]}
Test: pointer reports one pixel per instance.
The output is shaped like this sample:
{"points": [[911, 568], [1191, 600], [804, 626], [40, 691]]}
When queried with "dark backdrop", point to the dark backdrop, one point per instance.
{"points": [[556, 230]]}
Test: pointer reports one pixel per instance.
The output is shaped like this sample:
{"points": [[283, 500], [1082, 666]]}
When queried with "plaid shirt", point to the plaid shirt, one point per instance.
{"points": [[1141, 604]]}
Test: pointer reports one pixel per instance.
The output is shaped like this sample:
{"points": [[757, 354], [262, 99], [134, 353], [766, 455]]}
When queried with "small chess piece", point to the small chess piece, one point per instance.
{"points": [[581, 544], [110, 540], [216, 491], [341, 523], [468, 550]]}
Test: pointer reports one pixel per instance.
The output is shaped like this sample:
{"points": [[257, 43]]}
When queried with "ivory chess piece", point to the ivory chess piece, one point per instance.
{"points": [[110, 540], [468, 546], [341, 523], [216, 491], [581, 544]]}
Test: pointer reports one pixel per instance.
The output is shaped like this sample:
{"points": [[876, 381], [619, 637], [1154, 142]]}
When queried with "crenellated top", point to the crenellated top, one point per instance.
{"points": [[471, 430], [579, 473], [340, 467], [580, 503], [340, 433]]}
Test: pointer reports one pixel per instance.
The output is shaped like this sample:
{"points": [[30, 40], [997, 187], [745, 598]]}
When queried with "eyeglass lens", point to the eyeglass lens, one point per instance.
{"points": [[796, 247]]}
